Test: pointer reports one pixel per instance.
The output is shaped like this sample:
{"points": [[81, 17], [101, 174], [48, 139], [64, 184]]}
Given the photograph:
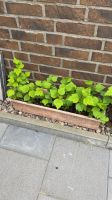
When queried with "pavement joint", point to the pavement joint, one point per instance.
{"points": [[47, 167], [4, 133], [108, 175]]}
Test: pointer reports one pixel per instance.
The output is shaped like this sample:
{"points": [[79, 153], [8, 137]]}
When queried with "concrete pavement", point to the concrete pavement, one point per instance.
{"points": [[39, 166]]}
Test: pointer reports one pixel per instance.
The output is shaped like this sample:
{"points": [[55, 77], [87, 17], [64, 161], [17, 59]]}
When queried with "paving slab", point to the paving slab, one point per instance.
{"points": [[109, 189], [77, 171], [3, 128], [44, 197], [110, 165], [27, 141], [20, 176]]}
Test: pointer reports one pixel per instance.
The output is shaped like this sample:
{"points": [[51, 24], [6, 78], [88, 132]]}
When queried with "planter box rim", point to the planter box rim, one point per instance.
{"points": [[53, 109]]}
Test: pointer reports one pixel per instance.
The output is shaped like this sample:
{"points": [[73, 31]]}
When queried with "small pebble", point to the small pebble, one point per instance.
{"points": [[20, 113], [77, 127], [62, 123], [85, 129], [98, 131]]}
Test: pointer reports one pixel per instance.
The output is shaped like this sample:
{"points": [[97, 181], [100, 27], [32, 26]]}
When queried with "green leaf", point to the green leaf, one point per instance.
{"points": [[18, 80], [90, 101], [11, 80], [10, 93], [39, 92], [27, 74], [109, 92], [58, 103], [16, 61], [70, 86], [15, 85], [52, 78], [27, 98], [24, 89], [99, 87], [47, 96], [67, 103], [19, 95], [45, 102], [61, 91], [86, 92], [79, 90], [74, 98], [66, 80], [80, 107], [89, 82], [107, 100], [53, 93], [17, 71], [31, 85], [38, 83], [100, 115], [32, 93], [46, 85], [102, 106]]}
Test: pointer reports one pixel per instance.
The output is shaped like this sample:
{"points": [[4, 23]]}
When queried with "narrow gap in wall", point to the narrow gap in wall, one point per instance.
{"points": [[2, 79]]}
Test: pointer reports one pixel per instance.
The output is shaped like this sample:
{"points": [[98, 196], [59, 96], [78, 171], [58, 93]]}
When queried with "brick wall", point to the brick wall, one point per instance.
{"points": [[63, 37]]}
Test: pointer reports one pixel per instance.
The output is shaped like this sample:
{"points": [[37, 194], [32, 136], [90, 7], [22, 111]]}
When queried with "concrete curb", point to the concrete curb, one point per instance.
{"points": [[57, 129]]}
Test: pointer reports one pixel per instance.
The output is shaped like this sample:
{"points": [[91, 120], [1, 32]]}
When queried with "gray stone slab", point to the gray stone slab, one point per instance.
{"points": [[109, 144], [27, 141], [110, 165], [77, 171], [3, 128], [109, 189], [20, 176], [44, 197]]}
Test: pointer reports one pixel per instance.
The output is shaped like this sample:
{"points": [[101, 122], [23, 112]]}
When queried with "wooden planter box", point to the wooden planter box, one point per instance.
{"points": [[70, 118]]}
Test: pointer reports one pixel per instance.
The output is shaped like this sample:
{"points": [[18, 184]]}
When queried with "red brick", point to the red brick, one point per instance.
{"points": [[105, 69], [7, 54], [100, 16], [24, 9], [75, 28], [108, 46], [52, 70], [26, 36], [1, 7], [102, 57], [87, 76], [36, 48], [8, 21], [6, 44], [45, 60], [109, 79], [54, 39], [105, 32], [36, 24], [21, 56], [64, 12], [40, 76], [83, 43], [75, 65], [31, 67], [59, 1], [102, 3], [70, 53], [4, 34]]}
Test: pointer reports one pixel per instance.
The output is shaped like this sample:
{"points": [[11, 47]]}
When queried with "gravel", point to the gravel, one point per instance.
{"points": [[6, 107]]}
